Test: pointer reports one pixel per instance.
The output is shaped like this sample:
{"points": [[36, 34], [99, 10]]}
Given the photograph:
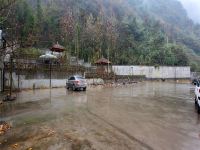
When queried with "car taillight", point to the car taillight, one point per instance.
{"points": [[77, 82]]}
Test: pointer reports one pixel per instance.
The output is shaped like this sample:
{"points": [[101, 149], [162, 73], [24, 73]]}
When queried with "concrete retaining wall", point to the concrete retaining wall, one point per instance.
{"points": [[22, 83], [152, 72], [44, 83], [195, 75]]}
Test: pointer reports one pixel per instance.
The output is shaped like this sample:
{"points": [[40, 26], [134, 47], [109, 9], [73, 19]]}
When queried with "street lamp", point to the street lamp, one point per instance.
{"points": [[49, 57]]}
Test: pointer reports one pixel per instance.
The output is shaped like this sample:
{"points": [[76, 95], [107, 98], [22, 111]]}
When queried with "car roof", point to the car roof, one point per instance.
{"points": [[77, 76]]}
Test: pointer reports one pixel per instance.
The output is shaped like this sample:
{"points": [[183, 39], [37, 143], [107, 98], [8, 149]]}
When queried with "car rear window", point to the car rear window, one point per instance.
{"points": [[72, 78], [80, 78]]}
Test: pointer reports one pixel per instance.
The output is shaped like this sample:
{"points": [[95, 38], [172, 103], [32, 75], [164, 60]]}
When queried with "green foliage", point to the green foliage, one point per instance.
{"points": [[29, 52], [194, 67], [25, 21], [140, 32]]}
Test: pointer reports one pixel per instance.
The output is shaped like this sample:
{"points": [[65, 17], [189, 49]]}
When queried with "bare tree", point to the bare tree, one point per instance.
{"points": [[67, 24], [112, 34], [5, 7]]}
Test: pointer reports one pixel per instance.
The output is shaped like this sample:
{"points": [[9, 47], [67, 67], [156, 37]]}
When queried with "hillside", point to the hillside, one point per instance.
{"points": [[176, 24], [141, 32]]}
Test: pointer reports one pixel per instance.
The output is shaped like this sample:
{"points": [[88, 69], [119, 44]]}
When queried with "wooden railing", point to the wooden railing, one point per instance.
{"points": [[44, 67]]}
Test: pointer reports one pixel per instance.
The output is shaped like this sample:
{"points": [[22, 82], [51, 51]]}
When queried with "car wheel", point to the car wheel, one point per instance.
{"points": [[198, 109], [195, 99], [84, 89], [74, 88]]}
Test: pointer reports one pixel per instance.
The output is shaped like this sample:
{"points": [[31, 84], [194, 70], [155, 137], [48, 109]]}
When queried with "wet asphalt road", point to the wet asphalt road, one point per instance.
{"points": [[148, 115]]}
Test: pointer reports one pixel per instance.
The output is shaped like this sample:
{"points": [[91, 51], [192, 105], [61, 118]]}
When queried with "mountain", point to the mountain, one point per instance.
{"points": [[142, 32], [193, 9], [179, 28]]}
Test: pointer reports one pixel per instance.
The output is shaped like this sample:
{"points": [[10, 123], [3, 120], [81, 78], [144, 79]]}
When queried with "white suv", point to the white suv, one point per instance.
{"points": [[197, 95]]}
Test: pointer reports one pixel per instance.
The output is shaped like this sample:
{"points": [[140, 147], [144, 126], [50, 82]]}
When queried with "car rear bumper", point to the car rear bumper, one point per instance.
{"points": [[80, 86]]}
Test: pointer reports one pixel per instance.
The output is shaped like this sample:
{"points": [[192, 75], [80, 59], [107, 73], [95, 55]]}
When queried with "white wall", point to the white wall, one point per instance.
{"points": [[44, 83], [152, 72], [149, 71]]}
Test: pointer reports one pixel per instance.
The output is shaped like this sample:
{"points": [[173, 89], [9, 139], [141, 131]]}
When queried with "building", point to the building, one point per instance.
{"points": [[104, 66]]}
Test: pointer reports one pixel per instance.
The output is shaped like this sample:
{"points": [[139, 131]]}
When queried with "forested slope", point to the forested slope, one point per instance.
{"points": [[140, 32]]}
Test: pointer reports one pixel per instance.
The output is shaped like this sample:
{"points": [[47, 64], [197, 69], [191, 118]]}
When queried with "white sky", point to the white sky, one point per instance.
{"points": [[193, 9]]}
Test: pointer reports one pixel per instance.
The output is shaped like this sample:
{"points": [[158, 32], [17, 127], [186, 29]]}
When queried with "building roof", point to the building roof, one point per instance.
{"points": [[57, 48], [102, 61]]}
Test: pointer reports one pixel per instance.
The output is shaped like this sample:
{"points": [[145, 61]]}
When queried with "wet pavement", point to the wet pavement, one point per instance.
{"points": [[148, 115]]}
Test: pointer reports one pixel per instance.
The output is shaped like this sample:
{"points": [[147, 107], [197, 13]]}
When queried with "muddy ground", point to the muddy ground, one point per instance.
{"points": [[143, 116]]}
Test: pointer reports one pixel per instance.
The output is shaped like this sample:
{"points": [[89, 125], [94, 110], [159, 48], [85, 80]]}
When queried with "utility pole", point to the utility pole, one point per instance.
{"points": [[11, 69], [11, 64], [4, 48], [1, 38], [1, 62], [108, 60], [77, 46]]}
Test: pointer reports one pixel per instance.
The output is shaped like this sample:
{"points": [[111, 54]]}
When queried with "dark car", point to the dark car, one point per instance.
{"points": [[195, 81], [76, 82]]}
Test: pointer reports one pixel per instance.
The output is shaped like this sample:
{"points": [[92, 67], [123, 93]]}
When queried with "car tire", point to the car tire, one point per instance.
{"points": [[198, 109], [195, 99], [84, 89], [73, 88]]}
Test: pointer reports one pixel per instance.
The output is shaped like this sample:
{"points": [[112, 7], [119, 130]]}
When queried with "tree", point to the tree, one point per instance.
{"points": [[112, 36], [67, 24], [91, 29], [26, 23], [6, 7]]}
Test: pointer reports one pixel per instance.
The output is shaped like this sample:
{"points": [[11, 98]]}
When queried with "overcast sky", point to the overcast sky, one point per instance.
{"points": [[193, 9]]}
